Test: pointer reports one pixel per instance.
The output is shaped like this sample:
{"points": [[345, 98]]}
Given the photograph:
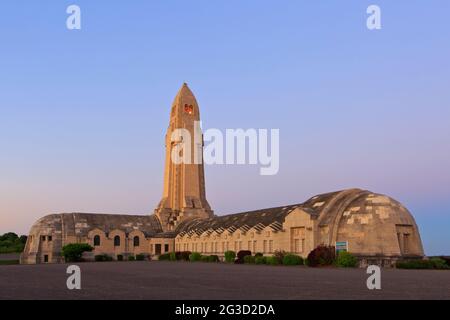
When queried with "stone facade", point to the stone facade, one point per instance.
{"points": [[376, 228]]}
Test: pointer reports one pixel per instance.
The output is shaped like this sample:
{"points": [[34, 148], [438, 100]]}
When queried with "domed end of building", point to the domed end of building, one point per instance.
{"points": [[372, 226]]}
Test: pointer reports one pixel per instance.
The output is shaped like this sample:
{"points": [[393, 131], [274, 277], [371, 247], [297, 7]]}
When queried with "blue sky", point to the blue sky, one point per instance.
{"points": [[83, 113]]}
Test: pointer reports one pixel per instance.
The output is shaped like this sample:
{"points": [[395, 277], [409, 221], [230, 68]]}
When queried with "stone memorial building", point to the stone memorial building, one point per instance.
{"points": [[374, 227]]}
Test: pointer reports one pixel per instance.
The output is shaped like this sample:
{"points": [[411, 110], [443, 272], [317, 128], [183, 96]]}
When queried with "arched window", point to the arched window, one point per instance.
{"points": [[96, 241], [116, 241], [136, 241]]}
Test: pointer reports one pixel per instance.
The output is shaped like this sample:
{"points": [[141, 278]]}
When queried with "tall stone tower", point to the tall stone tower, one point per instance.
{"points": [[184, 193]]}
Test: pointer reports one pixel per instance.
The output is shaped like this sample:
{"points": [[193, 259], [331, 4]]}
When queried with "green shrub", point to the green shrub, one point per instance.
{"points": [[439, 263], [164, 257], [445, 258], [73, 252], [184, 255], [292, 260], [258, 254], [272, 261], [279, 255], [102, 257], [434, 263], [119, 257], [241, 254], [249, 259], [204, 259], [230, 256], [194, 257], [8, 262], [131, 258], [173, 256], [260, 260], [213, 258], [140, 257], [346, 260], [99, 258], [321, 256]]}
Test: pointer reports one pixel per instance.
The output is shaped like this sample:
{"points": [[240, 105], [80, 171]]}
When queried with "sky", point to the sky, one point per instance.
{"points": [[83, 113]]}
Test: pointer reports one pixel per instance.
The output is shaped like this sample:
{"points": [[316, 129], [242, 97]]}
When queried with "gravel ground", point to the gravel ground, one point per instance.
{"points": [[198, 281]]}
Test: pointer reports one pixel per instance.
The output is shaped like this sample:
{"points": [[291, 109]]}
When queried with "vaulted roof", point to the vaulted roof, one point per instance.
{"points": [[79, 224], [257, 219]]}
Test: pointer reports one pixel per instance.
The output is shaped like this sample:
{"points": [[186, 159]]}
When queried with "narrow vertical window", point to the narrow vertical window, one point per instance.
{"points": [[96, 241], [116, 241]]}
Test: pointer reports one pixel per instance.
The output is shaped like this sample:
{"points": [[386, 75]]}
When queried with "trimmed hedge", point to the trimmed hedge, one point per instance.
{"points": [[230, 256], [140, 257], [249, 259], [445, 258], [173, 256], [292, 260], [131, 258], [9, 262], [164, 257], [241, 254], [434, 263], [183, 255], [119, 257], [260, 260], [273, 261], [213, 258], [346, 260], [195, 257], [279, 255], [102, 258]]}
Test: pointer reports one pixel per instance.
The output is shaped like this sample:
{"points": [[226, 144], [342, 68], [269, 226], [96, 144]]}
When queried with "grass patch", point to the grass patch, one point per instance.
{"points": [[9, 262]]}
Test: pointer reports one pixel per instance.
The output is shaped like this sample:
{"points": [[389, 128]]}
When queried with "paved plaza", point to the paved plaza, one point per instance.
{"points": [[197, 281]]}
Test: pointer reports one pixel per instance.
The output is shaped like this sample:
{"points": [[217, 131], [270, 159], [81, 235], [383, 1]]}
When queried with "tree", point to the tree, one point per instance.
{"points": [[10, 236], [73, 252], [10, 243]]}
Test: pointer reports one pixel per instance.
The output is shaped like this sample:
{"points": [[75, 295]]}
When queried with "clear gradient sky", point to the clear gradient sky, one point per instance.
{"points": [[83, 113]]}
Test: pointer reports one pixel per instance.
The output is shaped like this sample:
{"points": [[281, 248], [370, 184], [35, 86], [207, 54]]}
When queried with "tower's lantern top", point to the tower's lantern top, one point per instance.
{"points": [[185, 104]]}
